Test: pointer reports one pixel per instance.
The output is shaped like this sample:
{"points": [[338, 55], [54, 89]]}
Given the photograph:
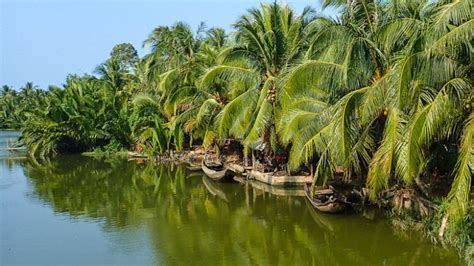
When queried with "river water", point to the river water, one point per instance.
{"points": [[78, 210]]}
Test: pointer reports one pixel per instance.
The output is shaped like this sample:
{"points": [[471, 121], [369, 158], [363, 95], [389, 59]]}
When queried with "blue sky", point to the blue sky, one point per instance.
{"points": [[44, 40]]}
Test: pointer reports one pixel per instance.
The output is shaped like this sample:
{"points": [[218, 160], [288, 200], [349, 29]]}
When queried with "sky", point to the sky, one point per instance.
{"points": [[43, 41]]}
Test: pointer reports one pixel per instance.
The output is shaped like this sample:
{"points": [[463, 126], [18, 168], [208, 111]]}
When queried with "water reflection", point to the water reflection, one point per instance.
{"points": [[193, 220]]}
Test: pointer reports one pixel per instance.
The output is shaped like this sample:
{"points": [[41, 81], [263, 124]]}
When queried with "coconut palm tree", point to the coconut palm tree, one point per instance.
{"points": [[148, 125], [206, 102], [406, 89], [267, 41], [173, 58], [67, 123], [8, 101], [174, 67], [88, 113], [15, 105]]}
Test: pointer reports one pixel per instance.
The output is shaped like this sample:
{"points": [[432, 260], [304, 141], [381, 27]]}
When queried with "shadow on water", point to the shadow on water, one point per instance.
{"points": [[191, 219]]}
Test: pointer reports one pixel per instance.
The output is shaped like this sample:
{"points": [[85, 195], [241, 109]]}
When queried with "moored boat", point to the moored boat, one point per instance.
{"points": [[326, 200], [133, 154], [217, 173], [274, 179], [194, 167], [235, 168]]}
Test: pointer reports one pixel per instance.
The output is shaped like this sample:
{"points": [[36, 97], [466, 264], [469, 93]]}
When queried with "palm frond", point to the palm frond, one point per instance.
{"points": [[458, 198]]}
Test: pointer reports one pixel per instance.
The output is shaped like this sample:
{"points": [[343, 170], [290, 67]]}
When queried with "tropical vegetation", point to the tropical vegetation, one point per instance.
{"points": [[383, 93]]}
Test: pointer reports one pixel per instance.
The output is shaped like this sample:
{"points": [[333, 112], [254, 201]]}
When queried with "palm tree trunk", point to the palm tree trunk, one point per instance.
{"points": [[253, 159], [422, 187]]}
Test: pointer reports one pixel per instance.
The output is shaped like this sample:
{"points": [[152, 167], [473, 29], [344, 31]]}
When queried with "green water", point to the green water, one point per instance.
{"points": [[77, 210]]}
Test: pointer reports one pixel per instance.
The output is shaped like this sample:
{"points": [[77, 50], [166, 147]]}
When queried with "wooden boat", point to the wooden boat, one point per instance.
{"points": [[14, 146], [326, 200], [216, 173], [274, 190], [132, 154], [279, 180], [194, 167], [14, 149], [235, 168]]}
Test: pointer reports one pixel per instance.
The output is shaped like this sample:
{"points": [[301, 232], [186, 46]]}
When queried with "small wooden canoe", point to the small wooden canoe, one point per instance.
{"points": [[194, 167], [136, 155], [216, 174], [279, 180], [235, 168], [326, 200]]}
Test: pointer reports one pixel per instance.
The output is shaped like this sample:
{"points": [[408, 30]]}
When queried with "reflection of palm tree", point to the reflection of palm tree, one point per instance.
{"points": [[187, 224]]}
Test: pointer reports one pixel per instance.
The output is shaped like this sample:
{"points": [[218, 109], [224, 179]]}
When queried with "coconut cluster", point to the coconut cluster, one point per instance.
{"points": [[271, 95]]}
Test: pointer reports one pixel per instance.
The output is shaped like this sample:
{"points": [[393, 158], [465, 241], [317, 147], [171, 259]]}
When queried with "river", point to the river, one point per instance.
{"points": [[77, 210]]}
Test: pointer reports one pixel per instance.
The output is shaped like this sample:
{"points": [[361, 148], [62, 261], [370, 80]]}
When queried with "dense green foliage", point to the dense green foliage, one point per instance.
{"points": [[383, 92], [14, 105]]}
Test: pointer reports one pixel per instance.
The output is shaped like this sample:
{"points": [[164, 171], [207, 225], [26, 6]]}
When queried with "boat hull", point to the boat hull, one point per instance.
{"points": [[194, 167], [331, 206], [222, 175], [273, 180]]}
